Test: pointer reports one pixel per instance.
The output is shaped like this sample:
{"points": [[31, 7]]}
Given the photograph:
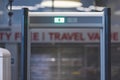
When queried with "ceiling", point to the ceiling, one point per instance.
{"points": [[86, 4]]}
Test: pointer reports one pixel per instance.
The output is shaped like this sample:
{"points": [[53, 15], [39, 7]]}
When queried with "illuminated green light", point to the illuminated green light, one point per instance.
{"points": [[59, 20]]}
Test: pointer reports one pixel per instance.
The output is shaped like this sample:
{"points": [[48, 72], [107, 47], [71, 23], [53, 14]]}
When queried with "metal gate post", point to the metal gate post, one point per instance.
{"points": [[24, 46], [105, 47]]}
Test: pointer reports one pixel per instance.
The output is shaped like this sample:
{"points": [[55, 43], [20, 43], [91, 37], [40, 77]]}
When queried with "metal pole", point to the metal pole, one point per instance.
{"points": [[24, 45], [105, 46]]}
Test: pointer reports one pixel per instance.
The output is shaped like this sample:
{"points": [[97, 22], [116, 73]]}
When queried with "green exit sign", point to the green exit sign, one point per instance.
{"points": [[59, 20]]}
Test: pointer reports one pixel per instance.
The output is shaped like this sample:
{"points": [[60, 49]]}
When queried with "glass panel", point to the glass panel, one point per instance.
{"points": [[64, 62], [44, 63], [115, 61], [72, 62], [55, 62], [92, 62]]}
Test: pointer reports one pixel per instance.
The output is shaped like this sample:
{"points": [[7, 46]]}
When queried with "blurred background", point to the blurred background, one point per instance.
{"points": [[76, 61]]}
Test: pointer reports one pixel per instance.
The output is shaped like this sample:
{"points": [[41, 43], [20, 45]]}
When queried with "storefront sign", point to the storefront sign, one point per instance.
{"points": [[59, 35]]}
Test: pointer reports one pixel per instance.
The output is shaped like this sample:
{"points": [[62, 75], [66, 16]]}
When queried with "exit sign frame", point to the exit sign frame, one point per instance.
{"points": [[59, 20]]}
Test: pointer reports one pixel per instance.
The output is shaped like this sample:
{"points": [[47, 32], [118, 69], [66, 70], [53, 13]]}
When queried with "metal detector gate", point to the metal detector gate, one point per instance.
{"points": [[91, 20]]}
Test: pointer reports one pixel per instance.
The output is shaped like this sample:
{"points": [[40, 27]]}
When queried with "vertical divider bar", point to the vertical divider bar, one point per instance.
{"points": [[29, 49], [107, 34], [24, 44], [102, 54]]}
